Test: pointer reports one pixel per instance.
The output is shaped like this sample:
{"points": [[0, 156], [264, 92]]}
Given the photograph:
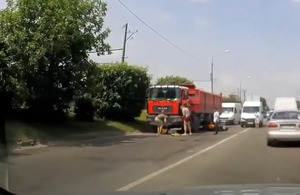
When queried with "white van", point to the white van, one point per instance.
{"points": [[231, 113], [250, 108], [285, 103]]}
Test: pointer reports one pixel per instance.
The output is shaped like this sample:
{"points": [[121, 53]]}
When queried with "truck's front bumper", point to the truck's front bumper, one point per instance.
{"points": [[172, 121]]}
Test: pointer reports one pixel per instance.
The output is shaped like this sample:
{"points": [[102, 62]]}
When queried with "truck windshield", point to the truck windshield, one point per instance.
{"points": [[226, 110], [165, 94], [251, 109]]}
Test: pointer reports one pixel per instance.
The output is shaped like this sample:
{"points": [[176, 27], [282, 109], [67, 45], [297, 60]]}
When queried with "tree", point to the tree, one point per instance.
{"points": [[47, 42], [121, 91], [173, 80], [230, 98]]}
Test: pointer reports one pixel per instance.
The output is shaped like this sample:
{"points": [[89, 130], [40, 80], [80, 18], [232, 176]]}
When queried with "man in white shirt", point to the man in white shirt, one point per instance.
{"points": [[216, 120], [257, 115]]}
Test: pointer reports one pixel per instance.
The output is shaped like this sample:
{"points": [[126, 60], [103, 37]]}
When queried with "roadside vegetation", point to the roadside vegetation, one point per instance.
{"points": [[49, 86]]}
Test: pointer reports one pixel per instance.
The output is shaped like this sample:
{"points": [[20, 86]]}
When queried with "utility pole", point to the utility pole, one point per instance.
{"points": [[245, 94], [126, 38], [240, 91], [212, 75], [124, 43], [212, 72]]}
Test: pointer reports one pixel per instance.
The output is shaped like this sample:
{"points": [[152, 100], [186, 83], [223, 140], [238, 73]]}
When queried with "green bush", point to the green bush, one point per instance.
{"points": [[120, 91], [173, 80]]}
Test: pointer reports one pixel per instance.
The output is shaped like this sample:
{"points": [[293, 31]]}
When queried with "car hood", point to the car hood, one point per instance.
{"points": [[253, 189]]}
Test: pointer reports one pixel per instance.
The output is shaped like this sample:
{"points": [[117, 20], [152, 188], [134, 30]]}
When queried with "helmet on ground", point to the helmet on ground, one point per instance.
{"points": [[211, 126]]}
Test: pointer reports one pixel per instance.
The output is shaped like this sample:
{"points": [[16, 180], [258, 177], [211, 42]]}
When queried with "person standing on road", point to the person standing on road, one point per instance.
{"points": [[186, 115], [216, 120], [257, 115], [160, 120]]}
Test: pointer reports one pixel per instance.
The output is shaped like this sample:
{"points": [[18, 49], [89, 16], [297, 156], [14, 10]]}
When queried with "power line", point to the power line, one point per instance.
{"points": [[157, 33]]}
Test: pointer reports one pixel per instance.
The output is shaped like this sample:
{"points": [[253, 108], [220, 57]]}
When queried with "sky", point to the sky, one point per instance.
{"points": [[263, 37]]}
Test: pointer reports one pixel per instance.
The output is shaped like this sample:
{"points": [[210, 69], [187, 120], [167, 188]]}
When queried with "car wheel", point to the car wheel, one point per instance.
{"points": [[242, 126]]}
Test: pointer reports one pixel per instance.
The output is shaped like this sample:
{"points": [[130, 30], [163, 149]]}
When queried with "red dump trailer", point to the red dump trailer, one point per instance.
{"points": [[167, 99]]}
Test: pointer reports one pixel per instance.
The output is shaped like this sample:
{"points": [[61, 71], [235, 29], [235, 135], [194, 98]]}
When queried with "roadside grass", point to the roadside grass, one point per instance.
{"points": [[18, 131]]}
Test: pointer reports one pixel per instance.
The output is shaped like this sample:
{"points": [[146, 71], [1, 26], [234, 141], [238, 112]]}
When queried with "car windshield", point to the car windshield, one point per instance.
{"points": [[250, 109], [286, 115], [165, 94], [226, 110]]}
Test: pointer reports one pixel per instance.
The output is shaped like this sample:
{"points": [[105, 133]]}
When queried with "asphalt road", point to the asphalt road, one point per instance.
{"points": [[150, 163]]}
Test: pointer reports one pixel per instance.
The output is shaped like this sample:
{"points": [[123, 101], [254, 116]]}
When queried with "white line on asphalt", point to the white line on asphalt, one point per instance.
{"points": [[156, 173]]}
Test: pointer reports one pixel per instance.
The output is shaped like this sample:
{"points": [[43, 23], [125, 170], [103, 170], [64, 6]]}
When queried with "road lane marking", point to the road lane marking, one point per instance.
{"points": [[160, 171]]}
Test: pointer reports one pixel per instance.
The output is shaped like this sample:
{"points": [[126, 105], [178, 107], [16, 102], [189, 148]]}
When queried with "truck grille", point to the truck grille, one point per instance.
{"points": [[164, 109]]}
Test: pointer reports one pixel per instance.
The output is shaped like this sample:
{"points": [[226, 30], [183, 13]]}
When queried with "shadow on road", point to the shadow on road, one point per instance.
{"points": [[100, 141], [84, 134], [283, 144]]}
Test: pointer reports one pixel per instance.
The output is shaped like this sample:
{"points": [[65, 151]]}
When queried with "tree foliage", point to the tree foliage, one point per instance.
{"points": [[118, 91], [121, 90], [230, 98], [173, 80], [44, 47]]}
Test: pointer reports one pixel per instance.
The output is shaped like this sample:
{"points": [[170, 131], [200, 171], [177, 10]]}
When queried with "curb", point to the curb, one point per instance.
{"points": [[54, 143]]}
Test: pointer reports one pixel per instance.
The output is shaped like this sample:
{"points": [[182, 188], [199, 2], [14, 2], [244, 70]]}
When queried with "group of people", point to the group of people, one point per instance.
{"points": [[161, 121]]}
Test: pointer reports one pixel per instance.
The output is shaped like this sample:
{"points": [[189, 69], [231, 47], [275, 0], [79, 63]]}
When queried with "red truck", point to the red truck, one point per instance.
{"points": [[167, 99]]}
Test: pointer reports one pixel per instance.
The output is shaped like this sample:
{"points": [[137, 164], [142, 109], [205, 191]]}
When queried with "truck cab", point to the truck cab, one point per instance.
{"points": [[167, 99]]}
